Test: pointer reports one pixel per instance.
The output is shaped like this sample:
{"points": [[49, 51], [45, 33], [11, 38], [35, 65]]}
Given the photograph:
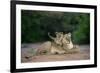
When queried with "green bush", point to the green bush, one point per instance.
{"points": [[36, 24]]}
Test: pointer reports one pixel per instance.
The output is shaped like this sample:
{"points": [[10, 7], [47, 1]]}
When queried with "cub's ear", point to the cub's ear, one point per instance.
{"points": [[61, 32], [69, 34], [56, 32]]}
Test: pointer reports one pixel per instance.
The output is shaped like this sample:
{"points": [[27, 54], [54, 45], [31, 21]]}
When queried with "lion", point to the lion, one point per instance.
{"points": [[44, 48], [56, 49], [68, 44], [61, 44], [48, 48], [58, 38], [53, 47]]}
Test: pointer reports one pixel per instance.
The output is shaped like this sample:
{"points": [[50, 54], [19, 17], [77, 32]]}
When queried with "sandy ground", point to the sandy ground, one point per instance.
{"points": [[27, 54]]}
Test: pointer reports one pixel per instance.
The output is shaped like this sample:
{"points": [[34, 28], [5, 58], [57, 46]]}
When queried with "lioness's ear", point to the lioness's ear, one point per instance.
{"points": [[69, 34]]}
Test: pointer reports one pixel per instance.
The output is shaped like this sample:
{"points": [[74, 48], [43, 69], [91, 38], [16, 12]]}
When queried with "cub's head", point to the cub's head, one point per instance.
{"points": [[59, 34], [67, 38]]}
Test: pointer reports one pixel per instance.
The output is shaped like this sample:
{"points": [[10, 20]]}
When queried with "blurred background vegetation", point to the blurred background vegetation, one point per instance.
{"points": [[36, 24]]}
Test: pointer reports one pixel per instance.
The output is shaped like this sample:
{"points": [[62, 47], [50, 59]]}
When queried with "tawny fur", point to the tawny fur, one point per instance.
{"points": [[61, 44]]}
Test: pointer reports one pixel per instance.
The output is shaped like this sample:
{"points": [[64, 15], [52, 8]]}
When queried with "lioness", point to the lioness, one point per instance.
{"points": [[50, 48], [61, 44], [67, 42], [68, 45]]}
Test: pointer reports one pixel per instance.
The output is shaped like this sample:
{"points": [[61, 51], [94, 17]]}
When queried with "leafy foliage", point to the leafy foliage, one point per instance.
{"points": [[36, 24]]}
